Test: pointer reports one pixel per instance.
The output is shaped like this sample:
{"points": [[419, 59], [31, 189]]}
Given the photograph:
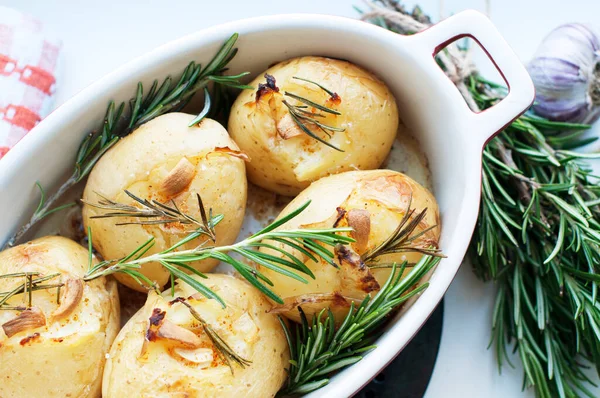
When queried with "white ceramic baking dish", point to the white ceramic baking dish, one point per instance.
{"points": [[451, 135]]}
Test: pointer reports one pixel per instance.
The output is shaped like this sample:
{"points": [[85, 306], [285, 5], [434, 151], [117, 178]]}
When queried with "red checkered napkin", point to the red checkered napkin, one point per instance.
{"points": [[28, 65]]}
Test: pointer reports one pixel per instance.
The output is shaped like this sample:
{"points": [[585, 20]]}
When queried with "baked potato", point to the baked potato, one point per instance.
{"points": [[51, 349], [165, 351], [373, 203], [167, 161], [284, 158]]}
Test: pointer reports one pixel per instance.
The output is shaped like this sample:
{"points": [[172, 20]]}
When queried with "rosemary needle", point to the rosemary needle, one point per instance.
{"points": [[30, 285], [403, 239], [227, 353]]}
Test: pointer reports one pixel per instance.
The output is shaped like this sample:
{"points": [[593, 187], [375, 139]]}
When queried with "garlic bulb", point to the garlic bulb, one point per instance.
{"points": [[566, 74]]}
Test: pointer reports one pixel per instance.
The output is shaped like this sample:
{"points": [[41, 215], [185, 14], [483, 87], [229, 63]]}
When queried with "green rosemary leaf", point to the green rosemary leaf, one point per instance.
{"points": [[87, 168], [269, 262], [312, 103], [90, 248], [320, 251], [140, 249], [296, 244], [200, 287], [57, 208], [42, 197], [250, 276], [282, 220], [219, 60], [204, 111], [295, 262], [331, 93], [547, 124], [307, 131]]}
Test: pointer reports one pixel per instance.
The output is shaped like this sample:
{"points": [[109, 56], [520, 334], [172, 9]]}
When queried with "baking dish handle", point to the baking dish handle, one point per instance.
{"points": [[521, 92]]}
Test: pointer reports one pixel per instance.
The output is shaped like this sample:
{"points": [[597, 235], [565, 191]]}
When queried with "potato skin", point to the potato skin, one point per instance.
{"points": [[67, 358], [141, 163], [286, 166], [385, 195], [244, 324]]}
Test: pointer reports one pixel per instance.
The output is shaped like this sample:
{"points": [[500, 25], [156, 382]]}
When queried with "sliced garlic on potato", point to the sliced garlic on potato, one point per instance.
{"points": [[167, 161], [178, 179], [55, 350], [202, 356], [244, 324], [284, 159], [373, 203], [28, 320], [246, 327], [70, 298]]}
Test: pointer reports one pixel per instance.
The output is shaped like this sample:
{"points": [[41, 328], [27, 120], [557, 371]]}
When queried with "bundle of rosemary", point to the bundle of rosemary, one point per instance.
{"points": [[538, 233]]}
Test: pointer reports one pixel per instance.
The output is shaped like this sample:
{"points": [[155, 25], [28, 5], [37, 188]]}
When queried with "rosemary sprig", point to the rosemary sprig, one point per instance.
{"points": [[303, 117], [30, 285], [318, 349], [304, 112], [226, 352], [153, 212], [315, 241], [402, 239], [537, 237], [168, 97], [42, 210]]}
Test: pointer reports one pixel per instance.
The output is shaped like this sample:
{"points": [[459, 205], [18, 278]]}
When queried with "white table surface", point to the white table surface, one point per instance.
{"points": [[98, 36]]}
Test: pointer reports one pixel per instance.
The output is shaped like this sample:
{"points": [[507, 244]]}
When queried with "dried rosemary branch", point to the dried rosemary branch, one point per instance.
{"points": [[32, 282], [304, 112], [167, 97], [153, 212], [226, 352], [318, 349], [538, 234], [403, 238], [313, 242]]}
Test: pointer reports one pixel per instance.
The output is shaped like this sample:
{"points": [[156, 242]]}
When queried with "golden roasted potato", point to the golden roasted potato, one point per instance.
{"points": [[373, 203], [284, 159], [51, 349], [165, 160], [164, 351]]}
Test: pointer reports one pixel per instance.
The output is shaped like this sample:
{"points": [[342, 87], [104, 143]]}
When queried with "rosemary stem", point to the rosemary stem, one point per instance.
{"points": [[38, 216], [165, 256]]}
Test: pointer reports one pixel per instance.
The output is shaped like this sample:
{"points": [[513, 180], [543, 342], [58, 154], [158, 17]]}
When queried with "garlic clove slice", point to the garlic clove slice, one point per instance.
{"points": [[178, 179], [201, 356], [245, 326], [287, 128], [178, 335], [356, 276], [70, 298], [313, 302], [231, 152], [360, 221], [31, 318]]}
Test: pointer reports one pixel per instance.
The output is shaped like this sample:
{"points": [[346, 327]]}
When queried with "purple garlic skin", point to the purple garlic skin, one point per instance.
{"points": [[566, 73]]}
